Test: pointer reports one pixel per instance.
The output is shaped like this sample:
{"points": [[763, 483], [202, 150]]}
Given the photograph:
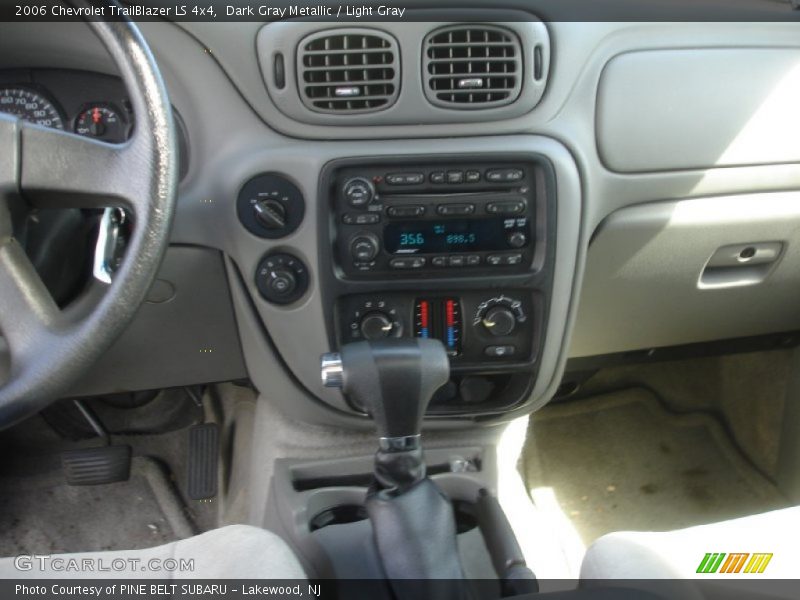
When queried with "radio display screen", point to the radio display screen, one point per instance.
{"points": [[450, 235]]}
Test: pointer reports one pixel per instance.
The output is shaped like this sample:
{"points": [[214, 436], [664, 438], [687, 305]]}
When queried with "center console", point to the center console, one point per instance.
{"points": [[454, 248], [457, 245]]}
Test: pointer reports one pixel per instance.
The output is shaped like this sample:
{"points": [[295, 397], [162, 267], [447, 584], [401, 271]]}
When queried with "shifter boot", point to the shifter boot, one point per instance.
{"points": [[415, 532]]}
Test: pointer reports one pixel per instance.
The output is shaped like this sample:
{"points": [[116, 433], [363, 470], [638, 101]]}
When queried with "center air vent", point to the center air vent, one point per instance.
{"points": [[472, 66], [348, 71]]}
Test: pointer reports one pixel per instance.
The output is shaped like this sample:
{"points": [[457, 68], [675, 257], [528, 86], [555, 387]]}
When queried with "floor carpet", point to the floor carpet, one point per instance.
{"points": [[621, 462], [40, 514]]}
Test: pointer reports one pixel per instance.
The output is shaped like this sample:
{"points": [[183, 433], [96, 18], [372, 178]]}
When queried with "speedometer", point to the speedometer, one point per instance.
{"points": [[30, 106]]}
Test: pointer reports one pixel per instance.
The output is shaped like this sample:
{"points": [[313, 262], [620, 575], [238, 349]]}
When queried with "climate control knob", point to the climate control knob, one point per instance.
{"points": [[358, 191], [499, 321], [376, 325], [364, 247]]}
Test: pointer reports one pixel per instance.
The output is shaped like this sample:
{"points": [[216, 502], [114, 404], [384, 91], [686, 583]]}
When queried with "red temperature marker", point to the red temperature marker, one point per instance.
{"points": [[424, 319]]}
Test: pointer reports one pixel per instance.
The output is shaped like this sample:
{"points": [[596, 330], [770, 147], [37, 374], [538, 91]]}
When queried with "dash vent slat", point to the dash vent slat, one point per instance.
{"points": [[348, 71], [472, 66]]}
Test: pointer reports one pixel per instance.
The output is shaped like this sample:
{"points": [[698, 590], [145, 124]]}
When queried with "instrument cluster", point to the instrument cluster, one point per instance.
{"points": [[83, 102], [88, 104]]}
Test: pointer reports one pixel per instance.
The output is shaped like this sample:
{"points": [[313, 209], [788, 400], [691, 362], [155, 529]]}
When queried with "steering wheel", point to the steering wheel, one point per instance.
{"points": [[50, 348]]}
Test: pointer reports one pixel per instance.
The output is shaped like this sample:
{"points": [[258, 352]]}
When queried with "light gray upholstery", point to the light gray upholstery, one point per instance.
{"points": [[630, 558], [233, 552], [677, 554]]}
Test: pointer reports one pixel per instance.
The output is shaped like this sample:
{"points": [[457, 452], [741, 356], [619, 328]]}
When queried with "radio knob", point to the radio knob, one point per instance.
{"points": [[499, 321], [358, 191], [517, 239], [364, 247], [376, 325]]}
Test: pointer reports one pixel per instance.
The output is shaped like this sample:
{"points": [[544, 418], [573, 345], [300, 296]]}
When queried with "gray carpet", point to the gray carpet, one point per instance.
{"points": [[747, 390], [621, 462], [39, 513]]}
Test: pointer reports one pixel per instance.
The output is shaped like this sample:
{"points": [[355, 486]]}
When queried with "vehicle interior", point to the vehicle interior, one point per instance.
{"points": [[479, 295]]}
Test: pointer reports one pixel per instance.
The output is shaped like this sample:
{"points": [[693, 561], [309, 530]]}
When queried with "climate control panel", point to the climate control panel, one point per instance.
{"points": [[475, 327]]}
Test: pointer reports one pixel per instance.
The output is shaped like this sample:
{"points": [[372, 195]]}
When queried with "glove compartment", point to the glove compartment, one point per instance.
{"points": [[678, 272]]}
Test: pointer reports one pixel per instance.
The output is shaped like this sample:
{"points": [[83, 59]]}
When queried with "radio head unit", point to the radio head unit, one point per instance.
{"points": [[447, 220]]}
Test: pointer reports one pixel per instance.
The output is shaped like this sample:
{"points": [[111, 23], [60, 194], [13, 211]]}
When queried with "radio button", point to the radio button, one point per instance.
{"points": [[405, 211], [455, 176], [415, 262], [456, 261], [505, 208], [361, 219], [473, 176], [455, 209], [439, 261], [504, 175], [495, 260], [473, 260], [405, 178], [437, 177]]}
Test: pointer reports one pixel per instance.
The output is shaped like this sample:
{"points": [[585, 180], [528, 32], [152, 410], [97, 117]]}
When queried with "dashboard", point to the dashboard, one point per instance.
{"points": [[583, 199], [86, 103]]}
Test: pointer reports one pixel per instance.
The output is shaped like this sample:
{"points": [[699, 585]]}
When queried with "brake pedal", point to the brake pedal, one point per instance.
{"points": [[96, 466], [203, 461]]}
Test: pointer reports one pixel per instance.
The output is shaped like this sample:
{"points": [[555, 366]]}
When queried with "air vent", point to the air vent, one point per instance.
{"points": [[348, 71], [472, 66]]}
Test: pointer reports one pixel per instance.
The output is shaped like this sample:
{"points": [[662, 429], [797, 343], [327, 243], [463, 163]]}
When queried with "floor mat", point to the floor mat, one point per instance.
{"points": [[620, 462], [40, 514]]}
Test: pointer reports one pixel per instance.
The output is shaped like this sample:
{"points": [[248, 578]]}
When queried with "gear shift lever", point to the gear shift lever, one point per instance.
{"points": [[413, 523], [393, 380]]}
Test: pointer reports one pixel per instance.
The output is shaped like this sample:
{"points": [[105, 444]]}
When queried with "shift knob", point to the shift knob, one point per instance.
{"points": [[393, 380]]}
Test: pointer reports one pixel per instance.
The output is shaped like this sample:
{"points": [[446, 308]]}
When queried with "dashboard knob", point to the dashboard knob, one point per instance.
{"points": [[376, 325], [270, 206], [270, 213], [517, 239], [499, 321], [281, 278], [358, 191], [282, 282], [364, 247]]}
